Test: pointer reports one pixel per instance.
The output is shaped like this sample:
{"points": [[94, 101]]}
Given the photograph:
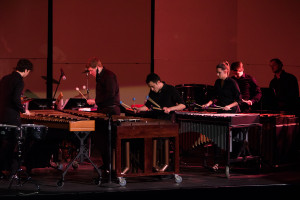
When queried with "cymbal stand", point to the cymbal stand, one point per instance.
{"points": [[87, 85], [16, 176]]}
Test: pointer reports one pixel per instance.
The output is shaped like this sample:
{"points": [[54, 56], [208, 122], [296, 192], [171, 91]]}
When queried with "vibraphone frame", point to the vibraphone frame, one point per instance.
{"points": [[228, 136]]}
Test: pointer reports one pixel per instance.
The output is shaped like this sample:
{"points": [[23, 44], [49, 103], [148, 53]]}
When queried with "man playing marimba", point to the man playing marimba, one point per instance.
{"points": [[162, 97]]}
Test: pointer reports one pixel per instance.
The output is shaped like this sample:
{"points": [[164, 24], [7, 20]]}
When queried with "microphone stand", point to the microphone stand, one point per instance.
{"points": [[61, 75], [109, 182]]}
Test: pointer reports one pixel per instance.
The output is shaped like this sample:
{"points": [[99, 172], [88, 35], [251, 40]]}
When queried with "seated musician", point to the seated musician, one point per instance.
{"points": [[162, 97], [226, 91], [11, 87]]}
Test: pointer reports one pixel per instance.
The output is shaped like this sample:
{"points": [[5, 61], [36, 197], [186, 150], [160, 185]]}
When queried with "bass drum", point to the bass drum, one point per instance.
{"points": [[194, 93]]}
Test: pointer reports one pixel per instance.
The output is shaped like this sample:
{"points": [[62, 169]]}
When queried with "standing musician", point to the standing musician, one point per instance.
{"points": [[162, 97], [249, 89], [226, 91], [107, 88], [11, 87], [227, 96], [108, 102], [285, 86]]}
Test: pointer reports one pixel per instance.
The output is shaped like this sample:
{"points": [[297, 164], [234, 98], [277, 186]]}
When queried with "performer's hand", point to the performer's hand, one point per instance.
{"points": [[136, 110], [166, 110], [27, 112], [91, 101], [226, 108], [205, 106], [249, 102]]}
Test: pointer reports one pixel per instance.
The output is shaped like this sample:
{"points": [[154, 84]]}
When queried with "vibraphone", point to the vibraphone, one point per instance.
{"points": [[198, 127], [127, 130], [80, 126]]}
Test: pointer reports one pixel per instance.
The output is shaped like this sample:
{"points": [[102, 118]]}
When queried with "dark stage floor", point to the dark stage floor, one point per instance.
{"points": [[196, 180]]}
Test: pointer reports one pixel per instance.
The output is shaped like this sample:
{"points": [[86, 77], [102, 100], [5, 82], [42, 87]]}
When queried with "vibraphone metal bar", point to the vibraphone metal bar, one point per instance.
{"points": [[217, 127], [80, 126]]}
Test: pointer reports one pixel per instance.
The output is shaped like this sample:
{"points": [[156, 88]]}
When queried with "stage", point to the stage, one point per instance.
{"points": [[244, 182]]}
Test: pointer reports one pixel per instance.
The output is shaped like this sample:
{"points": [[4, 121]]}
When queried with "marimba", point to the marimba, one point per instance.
{"points": [[216, 128], [146, 135]]}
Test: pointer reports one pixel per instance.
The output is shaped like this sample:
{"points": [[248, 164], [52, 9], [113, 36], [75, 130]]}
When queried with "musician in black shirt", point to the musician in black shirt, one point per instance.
{"points": [[285, 87], [162, 97], [250, 91], [226, 91], [107, 88], [11, 87], [108, 102], [227, 96]]}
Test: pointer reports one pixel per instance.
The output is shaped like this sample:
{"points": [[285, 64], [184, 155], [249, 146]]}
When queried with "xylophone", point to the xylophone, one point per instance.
{"points": [[216, 128]]}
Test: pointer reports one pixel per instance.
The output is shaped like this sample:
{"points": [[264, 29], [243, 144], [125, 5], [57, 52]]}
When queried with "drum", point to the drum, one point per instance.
{"points": [[8, 131], [34, 131], [194, 93]]}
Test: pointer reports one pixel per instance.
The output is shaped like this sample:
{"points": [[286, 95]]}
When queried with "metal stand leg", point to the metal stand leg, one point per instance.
{"points": [[122, 181], [83, 153]]}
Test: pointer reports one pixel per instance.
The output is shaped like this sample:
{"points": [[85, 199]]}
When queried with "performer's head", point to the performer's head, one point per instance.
{"points": [[24, 66], [276, 65], [93, 64], [237, 69], [154, 82], [223, 70]]}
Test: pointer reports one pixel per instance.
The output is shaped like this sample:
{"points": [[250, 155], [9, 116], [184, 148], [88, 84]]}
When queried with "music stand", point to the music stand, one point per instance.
{"points": [[76, 103], [40, 104]]}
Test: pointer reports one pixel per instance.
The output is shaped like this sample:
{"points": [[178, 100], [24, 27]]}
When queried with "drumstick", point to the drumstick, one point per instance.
{"points": [[81, 93], [151, 100], [125, 105], [198, 105], [156, 108]]}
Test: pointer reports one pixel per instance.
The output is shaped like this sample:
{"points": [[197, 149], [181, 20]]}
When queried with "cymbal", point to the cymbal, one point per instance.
{"points": [[53, 80]]}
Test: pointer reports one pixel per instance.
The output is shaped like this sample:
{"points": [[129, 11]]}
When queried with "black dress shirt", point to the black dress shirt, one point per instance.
{"points": [[286, 90], [226, 94], [11, 87], [168, 96], [107, 92], [249, 90]]}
